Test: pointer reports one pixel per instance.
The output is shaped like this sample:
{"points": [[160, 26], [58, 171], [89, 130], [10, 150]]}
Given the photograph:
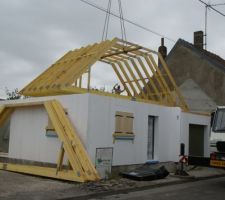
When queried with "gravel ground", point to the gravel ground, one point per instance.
{"points": [[20, 186]]}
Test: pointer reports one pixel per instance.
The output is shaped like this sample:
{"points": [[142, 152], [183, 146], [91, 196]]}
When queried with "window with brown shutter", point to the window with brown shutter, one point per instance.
{"points": [[124, 125]]}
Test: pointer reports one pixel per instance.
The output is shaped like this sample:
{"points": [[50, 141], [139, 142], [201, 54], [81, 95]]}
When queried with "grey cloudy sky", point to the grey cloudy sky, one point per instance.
{"points": [[35, 33]]}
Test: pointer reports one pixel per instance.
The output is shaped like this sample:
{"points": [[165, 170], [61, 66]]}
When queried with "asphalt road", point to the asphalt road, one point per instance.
{"points": [[199, 190]]}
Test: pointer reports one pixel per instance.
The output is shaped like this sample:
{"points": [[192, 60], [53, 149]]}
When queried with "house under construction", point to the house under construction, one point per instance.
{"points": [[67, 130]]}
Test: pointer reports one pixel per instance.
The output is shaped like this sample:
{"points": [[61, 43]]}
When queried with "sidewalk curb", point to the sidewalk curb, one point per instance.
{"points": [[125, 191], [183, 177]]}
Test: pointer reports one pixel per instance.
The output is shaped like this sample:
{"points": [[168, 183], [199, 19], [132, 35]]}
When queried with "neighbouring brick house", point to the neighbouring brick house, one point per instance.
{"points": [[199, 73]]}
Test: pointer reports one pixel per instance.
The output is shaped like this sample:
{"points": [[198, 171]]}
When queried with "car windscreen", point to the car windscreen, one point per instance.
{"points": [[219, 121]]}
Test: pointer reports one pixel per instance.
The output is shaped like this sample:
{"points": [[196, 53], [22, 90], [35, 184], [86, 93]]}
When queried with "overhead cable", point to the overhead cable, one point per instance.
{"points": [[128, 21]]}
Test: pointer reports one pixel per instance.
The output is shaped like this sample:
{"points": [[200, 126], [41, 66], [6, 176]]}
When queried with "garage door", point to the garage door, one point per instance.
{"points": [[196, 140]]}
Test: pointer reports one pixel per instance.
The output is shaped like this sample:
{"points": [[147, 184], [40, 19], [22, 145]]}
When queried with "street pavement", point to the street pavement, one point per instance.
{"points": [[200, 190], [21, 186]]}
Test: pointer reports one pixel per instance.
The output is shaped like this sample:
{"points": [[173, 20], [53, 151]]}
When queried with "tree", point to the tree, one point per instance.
{"points": [[13, 94]]}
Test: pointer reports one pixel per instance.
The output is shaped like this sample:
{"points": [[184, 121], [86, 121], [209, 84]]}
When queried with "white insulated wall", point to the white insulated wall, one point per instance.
{"points": [[94, 118], [27, 130], [27, 136], [101, 126], [195, 119]]}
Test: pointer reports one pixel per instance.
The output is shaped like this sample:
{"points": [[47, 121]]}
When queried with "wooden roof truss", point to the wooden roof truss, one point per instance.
{"points": [[134, 66]]}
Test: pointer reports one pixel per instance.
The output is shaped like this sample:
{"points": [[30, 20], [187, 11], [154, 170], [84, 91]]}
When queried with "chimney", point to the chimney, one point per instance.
{"points": [[162, 50], [199, 39]]}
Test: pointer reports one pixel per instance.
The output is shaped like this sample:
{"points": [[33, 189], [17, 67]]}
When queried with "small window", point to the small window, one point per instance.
{"points": [[50, 130], [124, 125], [219, 121], [4, 137]]}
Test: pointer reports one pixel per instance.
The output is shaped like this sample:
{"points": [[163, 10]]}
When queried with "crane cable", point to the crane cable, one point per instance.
{"points": [[127, 20], [122, 24], [106, 23]]}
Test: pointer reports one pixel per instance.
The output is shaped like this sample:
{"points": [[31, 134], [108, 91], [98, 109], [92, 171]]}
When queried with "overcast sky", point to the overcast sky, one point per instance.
{"points": [[35, 33]]}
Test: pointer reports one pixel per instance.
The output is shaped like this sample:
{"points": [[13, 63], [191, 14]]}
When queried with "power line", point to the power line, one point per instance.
{"points": [[128, 21]]}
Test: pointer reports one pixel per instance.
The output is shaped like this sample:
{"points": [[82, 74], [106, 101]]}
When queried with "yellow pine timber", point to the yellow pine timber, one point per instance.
{"points": [[80, 81], [181, 98], [135, 79], [71, 142], [43, 76], [161, 78], [149, 78], [76, 141], [124, 58], [69, 69], [61, 67], [159, 72], [158, 80], [5, 114], [2, 108], [47, 78], [84, 62], [96, 57], [141, 77], [83, 169], [124, 73], [59, 127], [89, 78], [60, 159], [129, 80], [73, 90], [72, 70], [68, 175], [121, 79]]}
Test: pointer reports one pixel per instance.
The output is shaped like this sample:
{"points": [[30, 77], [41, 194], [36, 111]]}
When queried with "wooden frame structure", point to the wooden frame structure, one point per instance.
{"points": [[80, 167], [134, 66]]}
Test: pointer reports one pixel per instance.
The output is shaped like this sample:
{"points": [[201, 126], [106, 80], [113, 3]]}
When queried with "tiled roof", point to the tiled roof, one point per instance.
{"points": [[213, 58]]}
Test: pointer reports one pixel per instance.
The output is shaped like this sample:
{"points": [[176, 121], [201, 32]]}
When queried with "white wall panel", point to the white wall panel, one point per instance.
{"points": [[186, 120], [94, 118], [27, 130], [101, 126]]}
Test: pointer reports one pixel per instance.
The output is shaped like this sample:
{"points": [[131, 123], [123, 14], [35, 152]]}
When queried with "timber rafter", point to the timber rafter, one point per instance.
{"points": [[134, 66]]}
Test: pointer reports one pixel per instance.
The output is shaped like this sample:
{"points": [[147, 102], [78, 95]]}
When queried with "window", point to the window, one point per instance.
{"points": [[219, 121], [4, 137], [124, 126], [50, 130]]}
